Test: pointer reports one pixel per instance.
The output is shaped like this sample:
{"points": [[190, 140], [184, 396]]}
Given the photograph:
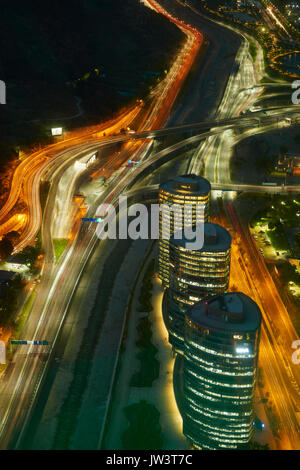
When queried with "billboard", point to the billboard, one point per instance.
{"points": [[56, 130]]}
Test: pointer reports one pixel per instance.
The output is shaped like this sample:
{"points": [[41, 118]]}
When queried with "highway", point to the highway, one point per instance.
{"points": [[29, 163], [278, 332], [59, 282], [241, 91], [32, 169], [29, 173]]}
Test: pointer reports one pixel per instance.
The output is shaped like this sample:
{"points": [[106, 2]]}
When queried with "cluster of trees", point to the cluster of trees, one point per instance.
{"points": [[29, 253], [254, 445], [289, 273], [9, 301], [6, 248], [297, 242], [149, 365], [144, 430], [7, 244], [146, 289]]}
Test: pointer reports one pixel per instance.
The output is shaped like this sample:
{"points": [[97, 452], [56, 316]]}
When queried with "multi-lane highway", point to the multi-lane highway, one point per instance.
{"points": [[32, 170], [250, 274], [59, 282]]}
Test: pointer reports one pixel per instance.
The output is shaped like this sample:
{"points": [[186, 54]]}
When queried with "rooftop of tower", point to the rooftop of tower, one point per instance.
{"points": [[187, 184], [216, 238], [231, 311]]}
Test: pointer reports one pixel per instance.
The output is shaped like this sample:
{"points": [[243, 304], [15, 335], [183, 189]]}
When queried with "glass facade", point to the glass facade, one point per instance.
{"points": [[184, 190], [220, 364], [194, 274]]}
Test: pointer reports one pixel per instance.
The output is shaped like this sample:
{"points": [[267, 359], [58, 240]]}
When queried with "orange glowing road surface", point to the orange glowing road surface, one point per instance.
{"points": [[250, 274], [30, 171], [14, 223], [58, 282]]}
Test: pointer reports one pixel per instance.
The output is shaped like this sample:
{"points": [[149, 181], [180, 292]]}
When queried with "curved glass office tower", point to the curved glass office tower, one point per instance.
{"points": [[194, 274], [220, 362], [182, 190]]}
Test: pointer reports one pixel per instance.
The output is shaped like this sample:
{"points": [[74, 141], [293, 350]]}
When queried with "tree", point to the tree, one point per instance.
{"points": [[283, 149], [13, 236], [17, 283], [30, 253], [254, 445], [6, 248]]}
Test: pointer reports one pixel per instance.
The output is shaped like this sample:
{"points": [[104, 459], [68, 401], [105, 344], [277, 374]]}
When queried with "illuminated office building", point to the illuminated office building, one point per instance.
{"points": [[183, 190], [220, 363], [194, 274]]}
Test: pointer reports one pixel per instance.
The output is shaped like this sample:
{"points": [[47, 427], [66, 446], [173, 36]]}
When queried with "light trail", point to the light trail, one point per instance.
{"points": [[59, 283], [272, 14], [275, 317]]}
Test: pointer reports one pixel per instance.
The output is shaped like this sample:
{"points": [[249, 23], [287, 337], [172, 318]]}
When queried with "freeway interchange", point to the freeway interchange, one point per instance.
{"points": [[213, 140]]}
